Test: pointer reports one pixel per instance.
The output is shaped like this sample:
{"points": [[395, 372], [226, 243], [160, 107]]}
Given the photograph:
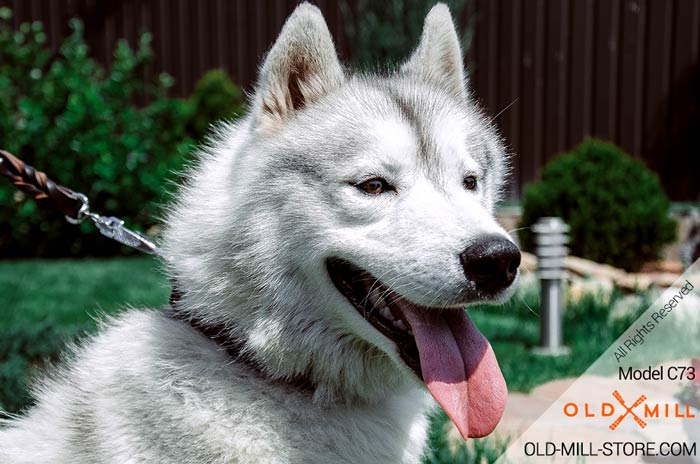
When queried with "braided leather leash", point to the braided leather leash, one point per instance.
{"points": [[39, 186], [73, 205]]}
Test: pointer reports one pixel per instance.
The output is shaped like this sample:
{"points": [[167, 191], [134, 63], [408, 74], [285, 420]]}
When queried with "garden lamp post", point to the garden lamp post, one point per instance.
{"points": [[550, 240]]}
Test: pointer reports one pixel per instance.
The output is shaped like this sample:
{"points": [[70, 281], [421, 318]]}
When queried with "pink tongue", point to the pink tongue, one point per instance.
{"points": [[459, 368]]}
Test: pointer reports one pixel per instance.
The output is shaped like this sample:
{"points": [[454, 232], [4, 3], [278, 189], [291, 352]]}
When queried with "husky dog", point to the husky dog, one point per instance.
{"points": [[323, 252]]}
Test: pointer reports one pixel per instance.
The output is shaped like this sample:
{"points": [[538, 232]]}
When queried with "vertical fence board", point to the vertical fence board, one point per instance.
{"points": [[555, 78], [631, 81], [658, 44], [604, 69], [581, 70], [482, 56], [507, 117]]}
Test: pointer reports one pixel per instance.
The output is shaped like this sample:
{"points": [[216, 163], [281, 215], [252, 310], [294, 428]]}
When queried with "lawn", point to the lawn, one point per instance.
{"points": [[74, 292], [44, 304]]}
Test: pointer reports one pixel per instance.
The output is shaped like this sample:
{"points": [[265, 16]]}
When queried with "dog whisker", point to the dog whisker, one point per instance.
{"points": [[505, 109]]}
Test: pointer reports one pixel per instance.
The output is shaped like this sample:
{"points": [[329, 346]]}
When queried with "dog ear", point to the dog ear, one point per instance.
{"points": [[301, 67], [438, 56]]}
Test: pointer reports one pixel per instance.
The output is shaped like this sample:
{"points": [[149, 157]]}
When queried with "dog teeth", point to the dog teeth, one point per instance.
{"points": [[386, 313]]}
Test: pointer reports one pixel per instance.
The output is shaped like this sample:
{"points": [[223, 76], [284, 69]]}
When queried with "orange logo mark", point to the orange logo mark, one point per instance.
{"points": [[628, 410]]}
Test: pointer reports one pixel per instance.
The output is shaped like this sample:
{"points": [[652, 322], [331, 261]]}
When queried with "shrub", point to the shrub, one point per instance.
{"points": [[68, 116], [615, 206], [387, 32], [215, 97]]}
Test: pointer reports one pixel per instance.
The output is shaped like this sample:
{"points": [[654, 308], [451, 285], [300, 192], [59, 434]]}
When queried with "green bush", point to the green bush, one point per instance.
{"points": [[215, 98], [615, 206], [386, 32], [68, 116]]}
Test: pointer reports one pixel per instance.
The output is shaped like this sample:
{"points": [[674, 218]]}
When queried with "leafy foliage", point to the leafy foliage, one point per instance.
{"points": [[615, 206], [66, 115], [386, 32], [215, 98]]}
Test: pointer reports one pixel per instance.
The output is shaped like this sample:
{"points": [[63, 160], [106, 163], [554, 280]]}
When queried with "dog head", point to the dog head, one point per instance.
{"points": [[339, 230]]}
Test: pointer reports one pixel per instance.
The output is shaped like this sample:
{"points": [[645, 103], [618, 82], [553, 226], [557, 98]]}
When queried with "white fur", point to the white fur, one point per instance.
{"points": [[246, 242]]}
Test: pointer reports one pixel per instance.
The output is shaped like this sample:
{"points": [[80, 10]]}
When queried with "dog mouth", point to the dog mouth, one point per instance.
{"points": [[441, 346], [379, 306]]}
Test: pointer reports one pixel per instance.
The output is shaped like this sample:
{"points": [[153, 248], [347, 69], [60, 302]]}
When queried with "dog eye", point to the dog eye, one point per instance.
{"points": [[470, 183], [375, 186]]}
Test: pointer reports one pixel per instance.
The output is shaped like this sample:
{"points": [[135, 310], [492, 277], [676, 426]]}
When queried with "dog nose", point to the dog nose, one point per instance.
{"points": [[491, 263]]}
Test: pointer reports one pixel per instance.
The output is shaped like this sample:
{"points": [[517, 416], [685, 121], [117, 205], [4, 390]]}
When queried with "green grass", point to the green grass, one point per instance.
{"points": [[44, 304], [73, 292]]}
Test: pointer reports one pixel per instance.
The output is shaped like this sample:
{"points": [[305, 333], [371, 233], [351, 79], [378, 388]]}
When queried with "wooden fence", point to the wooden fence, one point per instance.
{"points": [[554, 71], [621, 70]]}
